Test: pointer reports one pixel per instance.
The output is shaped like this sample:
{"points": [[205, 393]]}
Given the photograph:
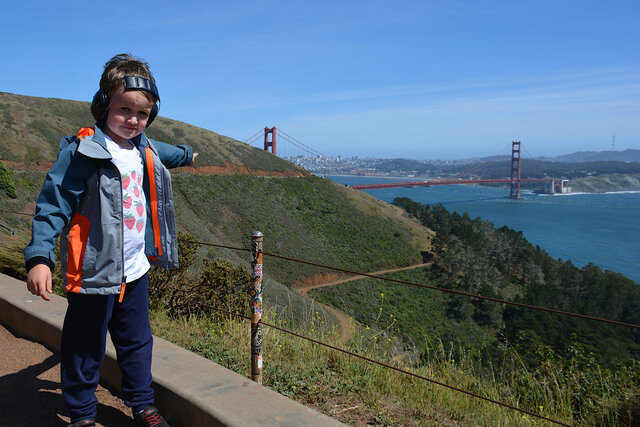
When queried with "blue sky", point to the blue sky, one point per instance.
{"points": [[415, 79]]}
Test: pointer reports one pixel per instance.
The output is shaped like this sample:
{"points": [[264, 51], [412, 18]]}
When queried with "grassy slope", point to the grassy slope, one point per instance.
{"points": [[308, 218], [417, 316], [31, 128]]}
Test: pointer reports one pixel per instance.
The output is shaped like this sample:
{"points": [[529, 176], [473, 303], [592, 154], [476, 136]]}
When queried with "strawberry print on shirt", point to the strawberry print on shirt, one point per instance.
{"points": [[125, 181], [133, 201], [134, 214], [129, 220]]}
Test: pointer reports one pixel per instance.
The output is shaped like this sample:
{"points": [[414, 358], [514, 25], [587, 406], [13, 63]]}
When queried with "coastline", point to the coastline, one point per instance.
{"points": [[602, 184]]}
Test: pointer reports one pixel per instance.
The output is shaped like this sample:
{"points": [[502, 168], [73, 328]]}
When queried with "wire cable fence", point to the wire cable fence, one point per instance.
{"points": [[15, 232], [386, 365], [15, 213], [435, 288], [404, 282], [395, 368], [9, 229], [383, 364]]}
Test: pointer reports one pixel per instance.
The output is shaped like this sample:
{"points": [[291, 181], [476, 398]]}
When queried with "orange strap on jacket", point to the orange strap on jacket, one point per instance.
{"points": [[154, 200], [78, 237], [122, 288], [84, 132]]}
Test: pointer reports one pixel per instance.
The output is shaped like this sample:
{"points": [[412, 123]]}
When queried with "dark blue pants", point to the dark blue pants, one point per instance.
{"points": [[84, 337]]}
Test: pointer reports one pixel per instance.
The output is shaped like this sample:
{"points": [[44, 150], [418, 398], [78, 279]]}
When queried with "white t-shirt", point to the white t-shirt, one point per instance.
{"points": [[134, 212]]}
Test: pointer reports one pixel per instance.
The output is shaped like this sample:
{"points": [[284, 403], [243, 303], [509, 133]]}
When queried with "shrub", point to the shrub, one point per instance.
{"points": [[218, 284], [6, 182]]}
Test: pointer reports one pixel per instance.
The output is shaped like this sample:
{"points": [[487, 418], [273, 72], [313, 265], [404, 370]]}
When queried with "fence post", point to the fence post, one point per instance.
{"points": [[256, 307]]}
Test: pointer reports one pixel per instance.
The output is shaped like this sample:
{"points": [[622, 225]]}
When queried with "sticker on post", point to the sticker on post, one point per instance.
{"points": [[260, 362], [257, 271]]}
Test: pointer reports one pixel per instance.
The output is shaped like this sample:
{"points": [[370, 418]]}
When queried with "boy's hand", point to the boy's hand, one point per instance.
{"points": [[39, 281], [193, 159]]}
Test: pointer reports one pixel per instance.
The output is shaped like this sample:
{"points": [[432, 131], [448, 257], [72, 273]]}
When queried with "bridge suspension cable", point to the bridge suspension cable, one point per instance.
{"points": [[484, 165], [303, 148], [251, 140], [308, 149], [290, 139], [529, 156]]}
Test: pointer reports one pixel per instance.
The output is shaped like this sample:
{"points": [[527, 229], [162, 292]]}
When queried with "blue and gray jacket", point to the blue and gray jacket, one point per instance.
{"points": [[81, 200]]}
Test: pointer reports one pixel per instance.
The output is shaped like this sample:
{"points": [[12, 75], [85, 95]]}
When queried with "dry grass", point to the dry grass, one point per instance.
{"points": [[351, 390]]}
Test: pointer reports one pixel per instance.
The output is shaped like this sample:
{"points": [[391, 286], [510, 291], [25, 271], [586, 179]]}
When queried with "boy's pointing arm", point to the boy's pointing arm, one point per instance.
{"points": [[174, 156]]}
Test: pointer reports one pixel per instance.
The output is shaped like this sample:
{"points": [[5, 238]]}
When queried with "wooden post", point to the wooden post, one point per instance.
{"points": [[256, 307]]}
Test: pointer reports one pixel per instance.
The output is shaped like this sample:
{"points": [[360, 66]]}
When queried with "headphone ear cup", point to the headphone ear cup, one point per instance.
{"points": [[99, 105], [153, 114]]}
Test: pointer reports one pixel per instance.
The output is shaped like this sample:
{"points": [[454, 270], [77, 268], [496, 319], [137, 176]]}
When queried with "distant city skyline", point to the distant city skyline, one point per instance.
{"points": [[414, 79]]}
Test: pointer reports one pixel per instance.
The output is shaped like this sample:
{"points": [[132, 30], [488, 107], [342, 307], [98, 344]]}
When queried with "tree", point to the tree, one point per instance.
{"points": [[6, 182]]}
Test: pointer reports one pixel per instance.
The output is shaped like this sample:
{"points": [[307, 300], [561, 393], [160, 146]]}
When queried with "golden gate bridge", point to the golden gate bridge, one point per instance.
{"points": [[552, 185]]}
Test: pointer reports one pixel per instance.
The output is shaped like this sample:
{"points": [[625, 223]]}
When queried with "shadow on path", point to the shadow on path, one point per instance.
{"points": [[28, 400]]}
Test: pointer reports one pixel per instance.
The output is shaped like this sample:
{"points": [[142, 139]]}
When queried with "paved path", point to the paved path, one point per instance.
{"points": [[189, 389], [30, 388], [344, 320]]}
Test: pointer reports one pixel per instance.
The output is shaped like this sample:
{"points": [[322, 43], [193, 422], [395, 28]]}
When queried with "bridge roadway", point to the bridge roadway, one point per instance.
{"points": [[190, 390], [445, 182]]}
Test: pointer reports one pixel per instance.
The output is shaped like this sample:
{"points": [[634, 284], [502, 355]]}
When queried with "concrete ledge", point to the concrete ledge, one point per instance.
{"points": [[190, 390]]}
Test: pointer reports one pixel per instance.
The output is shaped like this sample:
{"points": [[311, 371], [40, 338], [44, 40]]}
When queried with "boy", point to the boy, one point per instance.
{"points": [[109, 195]]}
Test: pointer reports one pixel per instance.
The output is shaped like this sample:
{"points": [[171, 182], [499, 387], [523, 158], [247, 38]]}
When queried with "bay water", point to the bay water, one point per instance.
{"points": [[600, 228]]}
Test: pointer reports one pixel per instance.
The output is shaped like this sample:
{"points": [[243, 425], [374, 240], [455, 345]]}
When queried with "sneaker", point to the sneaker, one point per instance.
{"points": [[87, 422], [150, 417]]}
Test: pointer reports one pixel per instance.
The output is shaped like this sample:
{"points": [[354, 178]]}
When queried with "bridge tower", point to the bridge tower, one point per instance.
{"points": [[271, 143], [515, 170]]}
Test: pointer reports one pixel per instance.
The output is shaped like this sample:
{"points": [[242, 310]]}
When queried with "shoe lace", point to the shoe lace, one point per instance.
{"points": [[153, 418]]}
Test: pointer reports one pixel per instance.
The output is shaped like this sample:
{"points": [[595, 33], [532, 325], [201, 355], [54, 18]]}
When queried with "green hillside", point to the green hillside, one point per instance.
{"points": [[471, 255], [307, 218], [593, 365], [301, 216], [571, 370], [31, 128]]}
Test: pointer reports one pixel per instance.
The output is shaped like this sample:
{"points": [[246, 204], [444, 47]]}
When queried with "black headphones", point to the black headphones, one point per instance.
{"points": [[100, 103]]}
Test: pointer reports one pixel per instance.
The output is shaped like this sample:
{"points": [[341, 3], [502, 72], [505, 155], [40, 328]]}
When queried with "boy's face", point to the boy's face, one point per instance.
{"points": [[128, 115]]}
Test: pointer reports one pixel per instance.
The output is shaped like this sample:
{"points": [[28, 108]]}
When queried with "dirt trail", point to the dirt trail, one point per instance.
{"points": [[344, 320]]}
